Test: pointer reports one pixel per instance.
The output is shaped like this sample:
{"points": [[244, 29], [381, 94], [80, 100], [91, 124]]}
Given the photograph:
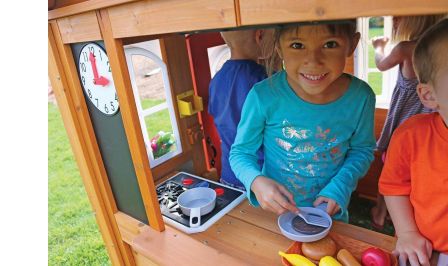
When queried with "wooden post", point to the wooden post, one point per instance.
{"points": [[62, 73], [117, 59]]}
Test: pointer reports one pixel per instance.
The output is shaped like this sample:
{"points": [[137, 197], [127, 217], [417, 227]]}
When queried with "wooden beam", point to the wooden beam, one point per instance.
{"points": [[65, 83], [255, 12], [120, 73], [170, 16], [79, 28], [175, 55], [82, 7]]}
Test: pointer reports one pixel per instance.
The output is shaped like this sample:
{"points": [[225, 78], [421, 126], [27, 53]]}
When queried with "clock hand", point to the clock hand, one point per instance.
{"points": [[94, 69], [101, 81]]}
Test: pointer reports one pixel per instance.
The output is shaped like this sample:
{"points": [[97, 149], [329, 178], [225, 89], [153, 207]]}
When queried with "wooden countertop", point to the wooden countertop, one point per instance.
{"points": [[244, 236]]}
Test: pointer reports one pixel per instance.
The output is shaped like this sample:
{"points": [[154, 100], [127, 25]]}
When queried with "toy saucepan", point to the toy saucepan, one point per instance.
{"points": [[295, 228], [196, 202]]}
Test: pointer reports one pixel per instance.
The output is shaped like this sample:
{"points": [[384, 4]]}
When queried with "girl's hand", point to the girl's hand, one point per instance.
{"points": [[272, 196], [379, 42], [332, 207], [414, 247]]}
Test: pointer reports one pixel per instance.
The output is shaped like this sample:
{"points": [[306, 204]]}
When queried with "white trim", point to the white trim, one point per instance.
{"points": [[129, 52], [362, 70]]}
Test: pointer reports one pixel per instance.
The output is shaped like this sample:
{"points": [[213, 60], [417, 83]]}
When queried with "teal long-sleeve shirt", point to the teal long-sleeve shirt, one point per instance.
{"points": [[312, 149]]}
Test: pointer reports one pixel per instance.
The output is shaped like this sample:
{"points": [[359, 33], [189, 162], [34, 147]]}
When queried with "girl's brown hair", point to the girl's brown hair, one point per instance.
{"points": [[344, 28], [410, 28]]}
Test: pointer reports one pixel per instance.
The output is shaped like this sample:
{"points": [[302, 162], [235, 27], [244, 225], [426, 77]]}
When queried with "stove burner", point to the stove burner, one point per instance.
{"points": [[167, 196]]}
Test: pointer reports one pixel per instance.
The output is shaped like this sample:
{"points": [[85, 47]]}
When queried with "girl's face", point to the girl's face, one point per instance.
{"points": [[314, 59]]}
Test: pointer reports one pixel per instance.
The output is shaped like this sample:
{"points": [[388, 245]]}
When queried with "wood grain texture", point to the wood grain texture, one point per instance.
{"points": [[72, 7], [255, 12], [174, 54], [131, 122], [79, 28], [169, 16], [74, 113]]}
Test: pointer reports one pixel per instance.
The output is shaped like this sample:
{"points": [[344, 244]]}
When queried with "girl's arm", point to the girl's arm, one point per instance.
{"points": [[243, 154], [411, 245], [357, 160], [385, 62], [261, 190]]}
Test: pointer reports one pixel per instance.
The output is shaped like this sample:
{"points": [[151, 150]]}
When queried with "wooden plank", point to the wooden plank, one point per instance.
{"points": [[173, 247], [79, 28], [249, 243], [83, 6], [131, 122], [175, 55], [63, 82], [168, 16], [142, 260], [268, 221], [255, 12], [129, 227]]}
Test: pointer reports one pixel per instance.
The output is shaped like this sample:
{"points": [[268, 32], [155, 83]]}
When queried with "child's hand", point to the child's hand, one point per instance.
{"points": [[272, 196], [414, 247], [379, 42], [332, 206]]}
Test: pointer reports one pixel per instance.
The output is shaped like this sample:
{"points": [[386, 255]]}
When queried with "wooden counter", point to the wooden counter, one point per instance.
{"points": [[245, 236]]}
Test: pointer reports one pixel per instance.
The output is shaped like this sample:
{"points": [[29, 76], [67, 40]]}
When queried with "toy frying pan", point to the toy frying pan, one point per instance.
{"points": [[295, 228]]}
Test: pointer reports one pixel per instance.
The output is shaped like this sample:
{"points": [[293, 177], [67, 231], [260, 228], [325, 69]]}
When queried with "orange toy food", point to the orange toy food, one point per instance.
{"points": [[318, 249], [346, 258]]}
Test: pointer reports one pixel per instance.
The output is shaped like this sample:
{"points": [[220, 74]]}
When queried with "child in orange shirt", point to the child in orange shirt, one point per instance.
{"points": [[414, 180]]}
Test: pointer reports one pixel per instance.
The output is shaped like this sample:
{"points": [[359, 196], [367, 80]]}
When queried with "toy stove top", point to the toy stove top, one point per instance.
{"points": [[167, 192]]}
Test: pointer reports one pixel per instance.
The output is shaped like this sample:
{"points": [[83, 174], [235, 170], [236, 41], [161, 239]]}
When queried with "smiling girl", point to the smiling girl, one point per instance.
{"points": [[314, 122]]}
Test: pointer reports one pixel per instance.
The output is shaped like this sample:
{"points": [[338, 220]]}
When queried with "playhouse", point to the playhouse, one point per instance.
{"points": [[96, 52]]}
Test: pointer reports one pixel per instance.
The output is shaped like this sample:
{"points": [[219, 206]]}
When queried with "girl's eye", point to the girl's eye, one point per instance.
{"points": [[331, 44], [297, 45]]}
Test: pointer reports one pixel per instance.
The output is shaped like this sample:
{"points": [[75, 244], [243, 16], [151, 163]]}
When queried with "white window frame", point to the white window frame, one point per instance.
{"points": [[362, 70], [129, 52]]}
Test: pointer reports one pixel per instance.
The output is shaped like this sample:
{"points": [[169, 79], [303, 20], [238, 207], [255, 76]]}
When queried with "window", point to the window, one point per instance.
{"points": [[382, 83], [152, 92]]}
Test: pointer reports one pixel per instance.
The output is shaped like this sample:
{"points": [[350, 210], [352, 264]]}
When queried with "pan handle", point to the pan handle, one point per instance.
{"points": [[195, 217]]}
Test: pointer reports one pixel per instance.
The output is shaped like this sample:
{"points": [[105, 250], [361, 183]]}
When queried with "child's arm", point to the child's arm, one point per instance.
{"points": [[384, 62], [411, 245], [244, 161], [357, 160]]}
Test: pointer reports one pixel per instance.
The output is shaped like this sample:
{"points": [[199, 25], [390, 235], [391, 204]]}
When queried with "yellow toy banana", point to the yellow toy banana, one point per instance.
{"points": [[329, 261], [296, 259]]}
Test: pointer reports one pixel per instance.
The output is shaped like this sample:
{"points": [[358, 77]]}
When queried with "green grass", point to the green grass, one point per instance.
{"points": [[73, 235]]}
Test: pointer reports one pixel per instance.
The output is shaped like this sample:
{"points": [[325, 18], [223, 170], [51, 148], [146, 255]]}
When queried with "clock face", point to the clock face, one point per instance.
{"points": [[96, 78]]}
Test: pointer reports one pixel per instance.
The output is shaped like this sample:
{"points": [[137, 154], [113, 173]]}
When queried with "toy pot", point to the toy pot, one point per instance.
{"points": [[196, 202]]}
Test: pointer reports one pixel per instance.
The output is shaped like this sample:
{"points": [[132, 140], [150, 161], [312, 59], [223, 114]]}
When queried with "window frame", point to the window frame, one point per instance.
{"points": [[362, 70], [130, 51]]}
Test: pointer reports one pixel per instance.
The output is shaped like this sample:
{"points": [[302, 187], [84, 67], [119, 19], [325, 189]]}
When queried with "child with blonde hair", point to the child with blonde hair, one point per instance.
{"points": [[404, 102], [231, 84], [414, 180], [313, 121]]}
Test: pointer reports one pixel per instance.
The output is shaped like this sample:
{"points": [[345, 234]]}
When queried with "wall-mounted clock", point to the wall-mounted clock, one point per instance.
{"points": [[96, 78]]}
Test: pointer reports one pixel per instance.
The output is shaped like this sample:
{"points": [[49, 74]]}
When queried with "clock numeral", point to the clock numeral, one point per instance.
{"points": [[96, 102], [101, 58], [108, 65], [92, 50], [84, 82], [106, 109], [116, 97], [86, 58], [112, 106], [83, 67], [90, 94]]}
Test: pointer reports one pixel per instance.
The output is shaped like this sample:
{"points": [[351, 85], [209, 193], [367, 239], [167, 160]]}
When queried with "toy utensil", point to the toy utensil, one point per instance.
{"points": [[315, 219]]}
